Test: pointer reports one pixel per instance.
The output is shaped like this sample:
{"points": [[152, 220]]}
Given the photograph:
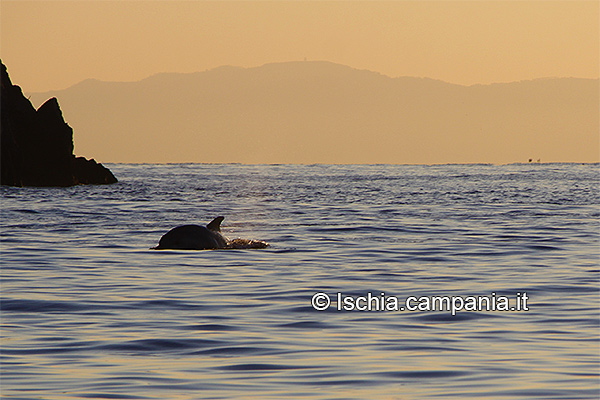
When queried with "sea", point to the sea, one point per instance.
{"points": [[380, 282]]}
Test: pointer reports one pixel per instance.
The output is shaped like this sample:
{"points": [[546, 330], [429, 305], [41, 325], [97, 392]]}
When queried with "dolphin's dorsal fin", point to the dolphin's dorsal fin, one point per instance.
{"points": [[215, 224]]}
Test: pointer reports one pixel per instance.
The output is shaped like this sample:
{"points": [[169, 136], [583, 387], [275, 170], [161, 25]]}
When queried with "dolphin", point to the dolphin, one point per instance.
{"points": [[195, 237]]}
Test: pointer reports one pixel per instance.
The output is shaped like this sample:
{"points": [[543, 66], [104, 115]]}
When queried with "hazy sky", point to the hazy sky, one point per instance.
{"points": [[50, 45]]}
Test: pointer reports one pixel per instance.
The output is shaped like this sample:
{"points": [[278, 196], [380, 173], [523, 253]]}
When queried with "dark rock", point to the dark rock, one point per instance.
{"points": [[89, 172], [37, 146]]}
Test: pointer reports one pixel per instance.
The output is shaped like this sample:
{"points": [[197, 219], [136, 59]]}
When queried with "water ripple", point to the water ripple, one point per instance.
{"points": [[88, 311]]}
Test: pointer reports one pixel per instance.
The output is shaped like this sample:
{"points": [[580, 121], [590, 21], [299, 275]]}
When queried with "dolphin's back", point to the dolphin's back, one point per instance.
{"points": [[191, 237]]}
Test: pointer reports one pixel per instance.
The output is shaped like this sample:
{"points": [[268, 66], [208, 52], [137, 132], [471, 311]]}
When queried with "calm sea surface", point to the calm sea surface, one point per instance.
{"points": [[89, 311]]}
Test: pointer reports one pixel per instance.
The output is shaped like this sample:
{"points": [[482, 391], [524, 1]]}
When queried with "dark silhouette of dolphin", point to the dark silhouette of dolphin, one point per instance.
{"points": [[195, 237]]}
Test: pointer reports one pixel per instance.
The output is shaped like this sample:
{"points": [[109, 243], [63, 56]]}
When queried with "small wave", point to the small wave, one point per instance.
{"points": [[39, 306], [210, 327], [305, 325], [544, 248], [447, 317], [423, 374], [284, 250], [67, 346], [237, 351], [359, 228], [165, 304], [25, 211], [159, 345], [420, 349], [261, 367], [111, 396]]}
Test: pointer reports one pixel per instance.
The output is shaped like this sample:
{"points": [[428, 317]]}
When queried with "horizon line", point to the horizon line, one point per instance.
{"points": [[533, 162]]}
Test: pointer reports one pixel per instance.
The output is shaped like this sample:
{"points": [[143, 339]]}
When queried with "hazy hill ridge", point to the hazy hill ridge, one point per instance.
{"points": [[320, 112]]}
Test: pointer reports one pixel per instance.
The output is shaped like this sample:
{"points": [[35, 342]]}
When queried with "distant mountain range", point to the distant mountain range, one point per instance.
{"points": [[320, 112]]}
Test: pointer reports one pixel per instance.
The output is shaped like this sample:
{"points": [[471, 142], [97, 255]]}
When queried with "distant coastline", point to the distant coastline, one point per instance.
{"points": [[276, 64], [319, 112]]}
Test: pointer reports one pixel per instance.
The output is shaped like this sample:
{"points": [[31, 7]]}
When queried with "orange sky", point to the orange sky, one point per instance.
{"points": [[50, 45]]}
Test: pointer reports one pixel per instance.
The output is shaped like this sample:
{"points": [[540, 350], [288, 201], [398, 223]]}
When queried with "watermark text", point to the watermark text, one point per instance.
{"points": [[453, 304]]}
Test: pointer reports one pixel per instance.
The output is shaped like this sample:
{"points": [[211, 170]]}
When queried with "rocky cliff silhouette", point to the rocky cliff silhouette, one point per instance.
{"points": [[37, 146]]}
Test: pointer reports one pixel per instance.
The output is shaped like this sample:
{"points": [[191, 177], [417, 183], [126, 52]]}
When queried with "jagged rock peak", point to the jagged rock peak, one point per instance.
{"points": [[37, 146]]}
